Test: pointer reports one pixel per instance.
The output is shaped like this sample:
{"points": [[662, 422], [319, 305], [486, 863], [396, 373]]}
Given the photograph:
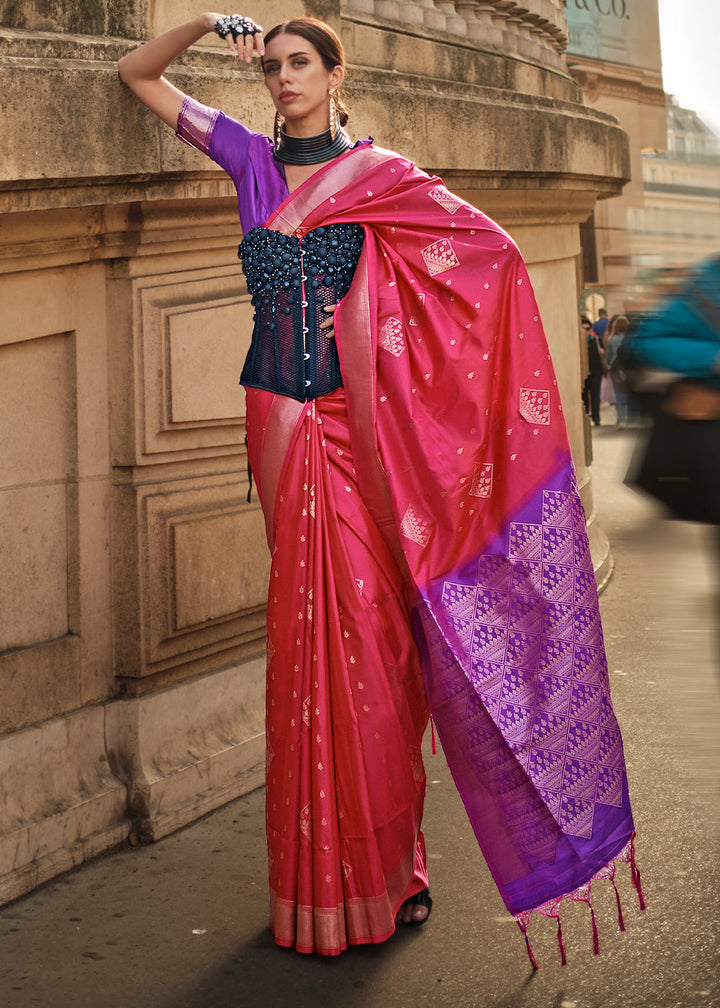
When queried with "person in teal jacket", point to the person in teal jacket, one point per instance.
{"points": [[680, 464], [683, 335]]}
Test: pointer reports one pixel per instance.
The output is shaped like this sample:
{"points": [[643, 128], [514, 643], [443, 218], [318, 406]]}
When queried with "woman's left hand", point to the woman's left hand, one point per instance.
{"points": [[329, 322], [241, 44]]}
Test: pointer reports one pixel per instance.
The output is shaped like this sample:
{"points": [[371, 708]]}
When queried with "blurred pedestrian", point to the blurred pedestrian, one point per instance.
{"points": [[600, 326], [607, 389], [596, 369], [680, 465], [625, 401]]}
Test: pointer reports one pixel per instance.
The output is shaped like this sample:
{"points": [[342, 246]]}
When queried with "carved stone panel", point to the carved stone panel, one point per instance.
{"points": [[202, 579], [192, 334], [55, 649], [215, 573], [38, 453]]}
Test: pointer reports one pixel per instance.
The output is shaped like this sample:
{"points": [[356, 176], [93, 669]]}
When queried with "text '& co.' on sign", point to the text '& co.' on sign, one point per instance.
{"points": [[608, 8]]}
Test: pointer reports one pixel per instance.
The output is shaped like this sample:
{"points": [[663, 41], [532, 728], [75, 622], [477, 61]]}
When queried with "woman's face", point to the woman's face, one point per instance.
{"points": [[299, 84]]}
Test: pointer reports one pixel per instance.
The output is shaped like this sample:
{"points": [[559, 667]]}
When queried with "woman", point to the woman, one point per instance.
{"points": [[627, 411], [428, 543]]}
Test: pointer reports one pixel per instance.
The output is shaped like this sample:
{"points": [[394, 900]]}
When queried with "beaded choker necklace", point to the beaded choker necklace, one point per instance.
{"points": [[310, 150]]}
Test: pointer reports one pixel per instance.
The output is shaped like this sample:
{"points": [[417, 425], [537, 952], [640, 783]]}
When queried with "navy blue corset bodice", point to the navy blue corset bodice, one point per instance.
{"points": [[291, 280]]}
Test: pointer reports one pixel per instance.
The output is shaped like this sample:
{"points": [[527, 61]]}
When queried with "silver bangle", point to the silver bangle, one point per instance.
{"points": [[235, 25]]}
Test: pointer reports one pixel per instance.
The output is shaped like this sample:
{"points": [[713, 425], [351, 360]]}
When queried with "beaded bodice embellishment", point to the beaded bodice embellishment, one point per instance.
{"points": [[291, 280]]}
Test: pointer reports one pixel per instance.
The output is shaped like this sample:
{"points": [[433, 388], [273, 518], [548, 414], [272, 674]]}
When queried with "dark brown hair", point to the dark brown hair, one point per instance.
{"points": [[325, 41]]}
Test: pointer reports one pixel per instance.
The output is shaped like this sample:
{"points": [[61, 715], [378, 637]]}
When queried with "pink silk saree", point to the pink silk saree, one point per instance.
{"points": [[346, 707], [461, 460]]}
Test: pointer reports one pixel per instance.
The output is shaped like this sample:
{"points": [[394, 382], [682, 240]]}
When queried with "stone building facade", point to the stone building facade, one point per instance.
{"points": [[614, 55], [134, 568], [679, 222]]}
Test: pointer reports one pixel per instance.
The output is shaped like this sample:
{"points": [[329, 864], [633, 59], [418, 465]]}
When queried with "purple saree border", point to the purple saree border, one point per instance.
{"points": [[519, 690]]}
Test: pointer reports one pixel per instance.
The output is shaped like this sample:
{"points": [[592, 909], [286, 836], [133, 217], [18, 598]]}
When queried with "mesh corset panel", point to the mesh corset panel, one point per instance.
{"points": [[291, 280]]}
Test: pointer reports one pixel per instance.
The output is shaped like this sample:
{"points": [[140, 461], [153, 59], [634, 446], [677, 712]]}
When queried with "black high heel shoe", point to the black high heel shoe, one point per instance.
{"points": [[423, 899]]}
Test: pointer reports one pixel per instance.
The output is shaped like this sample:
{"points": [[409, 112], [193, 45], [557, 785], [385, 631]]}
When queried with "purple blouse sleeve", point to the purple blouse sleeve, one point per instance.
{"points": [[196, 123], [245, 156], [223, 139]]}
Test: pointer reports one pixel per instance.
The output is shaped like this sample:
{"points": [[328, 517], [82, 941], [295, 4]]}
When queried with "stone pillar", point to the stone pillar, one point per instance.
{"points": [[132, 607]]}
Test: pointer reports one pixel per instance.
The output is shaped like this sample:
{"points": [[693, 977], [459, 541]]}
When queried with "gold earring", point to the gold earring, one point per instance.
{"points": [[276, 129], [334, 116]]}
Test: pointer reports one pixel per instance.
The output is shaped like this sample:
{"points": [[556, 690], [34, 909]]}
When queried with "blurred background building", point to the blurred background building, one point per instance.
{"points": [[668, 215], [679, 221], [614, 55]]}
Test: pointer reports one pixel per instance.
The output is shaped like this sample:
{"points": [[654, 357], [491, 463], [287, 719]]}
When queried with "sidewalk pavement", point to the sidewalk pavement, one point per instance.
{"points": [[182, 923]]}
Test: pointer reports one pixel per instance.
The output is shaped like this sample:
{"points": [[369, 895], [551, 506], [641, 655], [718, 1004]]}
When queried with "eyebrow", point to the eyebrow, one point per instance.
{"points": [[274, 59]]}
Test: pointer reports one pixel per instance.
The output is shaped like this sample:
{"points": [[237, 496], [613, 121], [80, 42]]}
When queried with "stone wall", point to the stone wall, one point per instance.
{"points": [[132, 607]]}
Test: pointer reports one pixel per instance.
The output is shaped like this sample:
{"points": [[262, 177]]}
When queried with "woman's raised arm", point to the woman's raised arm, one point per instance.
{"points": [[143, 68]]}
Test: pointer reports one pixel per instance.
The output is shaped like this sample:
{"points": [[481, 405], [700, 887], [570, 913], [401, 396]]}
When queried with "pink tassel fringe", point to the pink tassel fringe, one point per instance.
{"points": [[635, 874], [621, 919], [595, 932], [582, 894], [531, 956]]}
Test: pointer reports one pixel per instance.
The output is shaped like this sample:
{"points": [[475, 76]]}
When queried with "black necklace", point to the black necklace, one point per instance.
{"points": [[310, 150]]}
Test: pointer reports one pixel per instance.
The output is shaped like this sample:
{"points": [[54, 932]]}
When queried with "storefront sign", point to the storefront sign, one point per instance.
{"points": [[619, 31]]}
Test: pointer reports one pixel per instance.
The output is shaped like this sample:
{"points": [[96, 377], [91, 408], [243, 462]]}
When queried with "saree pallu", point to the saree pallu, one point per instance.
{"points": [[346, 707], [463, 461]]}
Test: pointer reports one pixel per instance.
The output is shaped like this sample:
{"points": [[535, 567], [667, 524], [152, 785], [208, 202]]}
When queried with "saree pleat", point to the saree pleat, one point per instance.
{"points": [[346, 706]]}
